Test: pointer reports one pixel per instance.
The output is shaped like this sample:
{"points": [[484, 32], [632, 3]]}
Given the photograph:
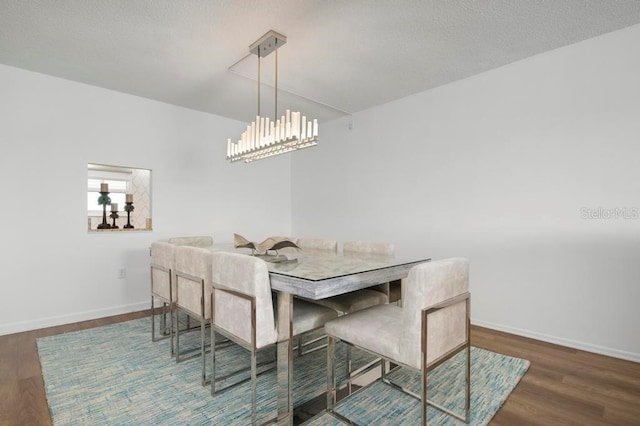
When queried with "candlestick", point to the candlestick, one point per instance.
{"points": [[114, 215], [104, 200], [128, 208]]}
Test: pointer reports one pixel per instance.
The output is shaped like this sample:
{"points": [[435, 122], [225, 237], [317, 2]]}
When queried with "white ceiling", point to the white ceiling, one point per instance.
{"points": [[346, 54]]}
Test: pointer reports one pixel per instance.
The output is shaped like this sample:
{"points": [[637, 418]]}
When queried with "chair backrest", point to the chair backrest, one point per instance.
{"points": [[371, 250], [427, 285], [203, 241], [163, 255], [317, 244], [196, 262], [368, 248], [247, 275]]}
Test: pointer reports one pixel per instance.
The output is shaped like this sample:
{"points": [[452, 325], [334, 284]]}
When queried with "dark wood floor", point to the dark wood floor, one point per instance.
{"points": [[562, 387]]}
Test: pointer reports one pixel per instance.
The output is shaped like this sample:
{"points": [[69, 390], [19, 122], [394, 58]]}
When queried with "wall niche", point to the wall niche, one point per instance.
{"points": [[111, 191]]}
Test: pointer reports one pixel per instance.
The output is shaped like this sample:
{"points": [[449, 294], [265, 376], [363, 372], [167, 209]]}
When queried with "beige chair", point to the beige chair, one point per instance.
{"points": [[365, 298], [392, 289], [162, 287], [193, 292], [431, 327], [203, 241], [242, 310], [317, 244]]}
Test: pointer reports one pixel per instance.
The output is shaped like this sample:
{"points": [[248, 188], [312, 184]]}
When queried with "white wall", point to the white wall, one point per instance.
{"points": [[497, 168], [53, 270]]}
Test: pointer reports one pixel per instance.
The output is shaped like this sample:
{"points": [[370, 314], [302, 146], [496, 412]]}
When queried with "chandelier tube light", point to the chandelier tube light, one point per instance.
{"points": [[267, 137]]}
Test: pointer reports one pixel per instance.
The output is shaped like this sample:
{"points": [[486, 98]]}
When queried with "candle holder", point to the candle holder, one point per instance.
{"points": [[104, 200], [128, 208], [114, 215]]}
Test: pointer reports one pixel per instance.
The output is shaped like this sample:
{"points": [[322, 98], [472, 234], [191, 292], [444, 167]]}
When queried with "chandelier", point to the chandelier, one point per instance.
{"points": [[266, 137]]}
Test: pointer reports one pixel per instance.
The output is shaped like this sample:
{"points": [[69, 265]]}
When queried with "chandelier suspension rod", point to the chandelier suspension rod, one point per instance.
{"points": [[258, 81], [275, 111]]}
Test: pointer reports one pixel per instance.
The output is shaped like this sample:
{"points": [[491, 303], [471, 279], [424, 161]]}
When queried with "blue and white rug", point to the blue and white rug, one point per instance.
{"points": [[115, 375]]}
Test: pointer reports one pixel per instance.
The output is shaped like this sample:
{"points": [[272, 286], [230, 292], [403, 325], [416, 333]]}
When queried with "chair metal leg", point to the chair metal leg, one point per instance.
{"points": [[163, 328], [331, 373], [468, 366], [253, 386], [174, 323], [468, 383], [203, 360], [153, 322], [213, 360], [177, 348], [163, 324], [349, 370], [423, 395]]}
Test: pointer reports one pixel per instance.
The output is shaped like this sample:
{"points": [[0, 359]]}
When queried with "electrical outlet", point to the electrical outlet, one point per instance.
{"points": [[122, 273]]}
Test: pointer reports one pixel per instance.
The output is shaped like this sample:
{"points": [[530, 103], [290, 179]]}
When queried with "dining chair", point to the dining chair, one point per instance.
{"points": [[375, 249], [162, 287], [242, 310], [361, 299], [193, 293], [431, 327], [198, 241], [317, 244]]}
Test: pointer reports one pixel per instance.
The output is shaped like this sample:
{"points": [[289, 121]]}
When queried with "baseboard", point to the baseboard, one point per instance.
{"points": [[616, 353], [18, 327]]}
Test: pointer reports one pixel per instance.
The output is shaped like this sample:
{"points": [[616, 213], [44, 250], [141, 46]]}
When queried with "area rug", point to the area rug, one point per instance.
{"points": [[115, 375]]}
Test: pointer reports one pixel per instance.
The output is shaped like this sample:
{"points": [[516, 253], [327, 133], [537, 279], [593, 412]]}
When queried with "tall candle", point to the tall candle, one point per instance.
{"points": [[282, 135], [295, 124], [272, 133], [315, 128], [267, 131], [303, 134], [129, 198], [104, 187], [114, 207], [254, 133]]}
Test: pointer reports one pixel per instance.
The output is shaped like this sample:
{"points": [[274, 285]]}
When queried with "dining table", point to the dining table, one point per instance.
{"points": [[318, 274]]}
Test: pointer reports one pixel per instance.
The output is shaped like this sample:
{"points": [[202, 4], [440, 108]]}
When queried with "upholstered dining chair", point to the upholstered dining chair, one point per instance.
{"points": [[374, 249], [162, 287], [361, 299], [193, 293], [198, 241], [317, 244], [242, 310], [430, 328]]}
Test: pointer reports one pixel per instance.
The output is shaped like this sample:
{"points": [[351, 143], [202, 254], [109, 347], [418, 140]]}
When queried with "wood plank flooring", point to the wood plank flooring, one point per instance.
{"points": [[563, 386]]}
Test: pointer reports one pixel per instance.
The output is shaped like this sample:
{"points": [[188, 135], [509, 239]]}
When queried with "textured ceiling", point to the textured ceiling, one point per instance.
{"points": [[341, 55]]}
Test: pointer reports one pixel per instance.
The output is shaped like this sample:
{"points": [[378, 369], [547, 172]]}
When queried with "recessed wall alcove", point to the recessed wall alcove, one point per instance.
{"points": [[118, 189]]}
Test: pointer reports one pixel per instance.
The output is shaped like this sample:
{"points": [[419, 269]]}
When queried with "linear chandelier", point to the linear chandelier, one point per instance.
{"points": [[267, 137]]}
